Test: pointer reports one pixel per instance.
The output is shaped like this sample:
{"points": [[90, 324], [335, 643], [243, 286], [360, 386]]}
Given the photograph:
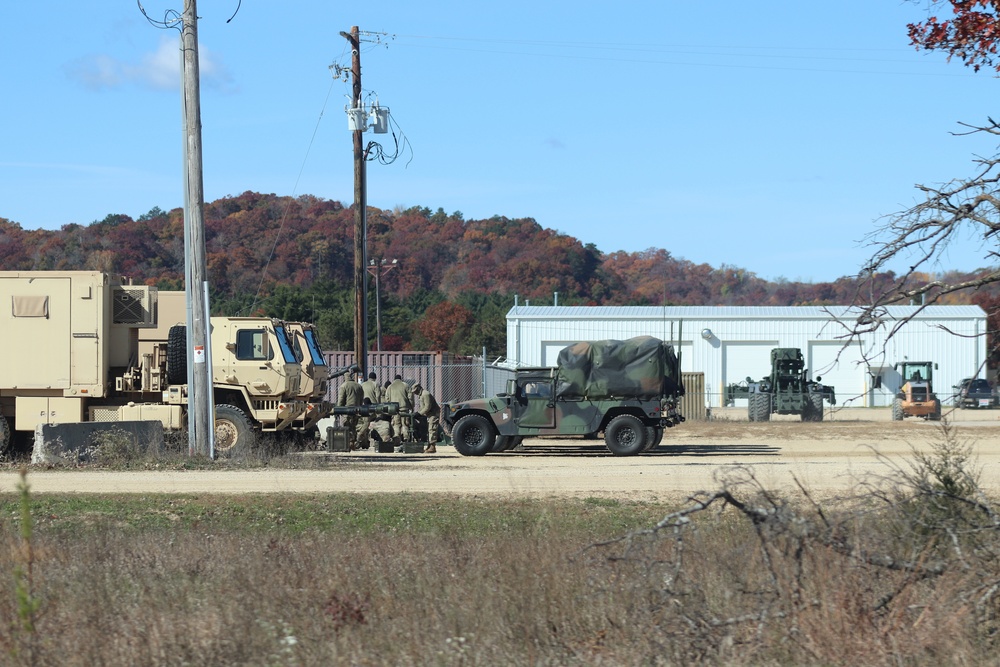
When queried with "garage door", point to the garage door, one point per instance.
{"points": [[744, 359], [550, 352], [842, 368]]}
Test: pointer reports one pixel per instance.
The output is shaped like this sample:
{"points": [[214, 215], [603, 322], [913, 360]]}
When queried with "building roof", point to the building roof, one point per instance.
{"points": [[735, 312]]}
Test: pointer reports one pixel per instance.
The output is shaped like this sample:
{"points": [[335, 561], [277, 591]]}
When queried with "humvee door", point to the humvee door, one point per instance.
{"points": [[534, 402]]}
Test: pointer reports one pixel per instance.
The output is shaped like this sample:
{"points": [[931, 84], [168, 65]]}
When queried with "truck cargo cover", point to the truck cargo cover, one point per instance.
{"points": [[643, 367]]}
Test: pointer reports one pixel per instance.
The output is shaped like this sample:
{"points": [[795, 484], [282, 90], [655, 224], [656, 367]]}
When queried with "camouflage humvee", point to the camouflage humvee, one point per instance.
{"points": [[627, 390]]}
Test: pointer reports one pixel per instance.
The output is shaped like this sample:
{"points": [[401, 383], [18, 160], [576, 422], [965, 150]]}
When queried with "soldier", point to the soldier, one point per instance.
{"points": [[351, 394], [372, 395], [373, 392], [399, 392], [427, 406], [379, 428]]}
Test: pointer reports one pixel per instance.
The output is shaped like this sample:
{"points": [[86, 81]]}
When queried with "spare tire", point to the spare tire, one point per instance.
{"points": [[177, 355]]}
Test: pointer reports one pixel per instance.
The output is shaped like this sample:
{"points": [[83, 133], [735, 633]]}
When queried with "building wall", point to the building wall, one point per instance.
{"points": [[728, 344]]}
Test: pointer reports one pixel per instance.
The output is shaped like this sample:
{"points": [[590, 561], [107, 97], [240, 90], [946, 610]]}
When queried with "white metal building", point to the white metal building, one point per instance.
{"points": [[728, 344]]}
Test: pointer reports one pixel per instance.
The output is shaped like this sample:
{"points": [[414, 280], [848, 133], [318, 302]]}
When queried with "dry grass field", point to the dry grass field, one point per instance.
{"points": [[559, 555]]}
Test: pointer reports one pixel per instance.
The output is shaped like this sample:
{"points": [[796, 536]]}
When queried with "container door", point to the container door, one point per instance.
{"points": [[35, 334]]}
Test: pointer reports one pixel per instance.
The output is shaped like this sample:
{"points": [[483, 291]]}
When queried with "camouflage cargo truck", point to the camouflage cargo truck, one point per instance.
{"points": [[627, 390]]}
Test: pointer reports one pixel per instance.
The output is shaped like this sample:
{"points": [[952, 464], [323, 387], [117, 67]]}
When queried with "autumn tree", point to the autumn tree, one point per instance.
{"points": [[444, 325], [965, 207], [970, 34]]}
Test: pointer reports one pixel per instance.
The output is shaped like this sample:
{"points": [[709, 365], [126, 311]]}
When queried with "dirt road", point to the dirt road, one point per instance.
{"points": [[830, 457]]}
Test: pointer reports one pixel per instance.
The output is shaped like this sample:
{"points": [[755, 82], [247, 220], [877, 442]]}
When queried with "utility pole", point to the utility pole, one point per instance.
{"points": [[201, 426], [378, 269], [360, 212]]}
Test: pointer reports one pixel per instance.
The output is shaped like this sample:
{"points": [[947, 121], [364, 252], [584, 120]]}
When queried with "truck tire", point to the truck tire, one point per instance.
{"points": [[473, 435], [812, 409], [177, 355], [762, 407], [625, 435], [515, 442], [817, 406], [654, 435], [4, 438], [234, 434], [502, 444], [752, 407], [897, 410], [936, 415]]}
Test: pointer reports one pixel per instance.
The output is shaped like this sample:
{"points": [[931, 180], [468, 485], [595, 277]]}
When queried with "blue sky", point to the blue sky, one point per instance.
{"points": [[770, 136]]}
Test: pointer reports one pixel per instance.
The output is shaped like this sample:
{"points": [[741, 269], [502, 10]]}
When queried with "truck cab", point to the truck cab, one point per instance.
{"points": [[315, 373]]}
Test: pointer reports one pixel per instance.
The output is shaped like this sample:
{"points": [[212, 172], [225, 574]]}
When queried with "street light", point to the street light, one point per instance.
{"points": [[378, 269]]}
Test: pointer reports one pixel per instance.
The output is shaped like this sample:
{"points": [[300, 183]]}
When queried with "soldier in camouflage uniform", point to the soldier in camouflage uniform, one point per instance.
{"points": [[372, 396], [399, 392], [428, 407], [351, 394], [372, 389]]}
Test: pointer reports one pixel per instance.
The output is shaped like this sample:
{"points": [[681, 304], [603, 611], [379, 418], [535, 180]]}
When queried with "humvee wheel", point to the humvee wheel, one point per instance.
{"points": [[4, 437], [625, 435], [654, 434], [233, 432], [502, 444], [897, 410], [473, 435]]}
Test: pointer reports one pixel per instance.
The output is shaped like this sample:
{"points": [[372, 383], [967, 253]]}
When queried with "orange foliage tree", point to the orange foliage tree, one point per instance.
{"points": [[443, 322]]}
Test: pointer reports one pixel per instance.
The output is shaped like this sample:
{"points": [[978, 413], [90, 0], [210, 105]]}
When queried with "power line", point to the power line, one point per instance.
{"points": [[683, 50]]}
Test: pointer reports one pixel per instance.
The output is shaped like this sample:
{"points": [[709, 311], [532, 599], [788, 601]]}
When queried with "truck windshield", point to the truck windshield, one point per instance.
{"points": [[286, 348], [314, 350]]}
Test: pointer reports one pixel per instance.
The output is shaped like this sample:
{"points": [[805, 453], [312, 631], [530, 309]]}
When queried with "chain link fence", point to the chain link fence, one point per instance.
{"points": [[453, 381]]}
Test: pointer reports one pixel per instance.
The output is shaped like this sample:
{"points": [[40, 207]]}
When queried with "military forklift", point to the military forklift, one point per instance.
{"points": [[916, 397], [787, 390]]}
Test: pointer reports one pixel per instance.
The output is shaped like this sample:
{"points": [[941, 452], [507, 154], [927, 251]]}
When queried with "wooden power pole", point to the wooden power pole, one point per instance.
{"points": [[201, 426], [360, 212]]}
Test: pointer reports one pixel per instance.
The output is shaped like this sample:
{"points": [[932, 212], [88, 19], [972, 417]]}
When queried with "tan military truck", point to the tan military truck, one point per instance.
{"points": [[316, 374], [81, 346]]}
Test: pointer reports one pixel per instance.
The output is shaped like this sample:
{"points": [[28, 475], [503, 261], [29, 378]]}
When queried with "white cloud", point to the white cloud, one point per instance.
{"points": [[158, 70]]}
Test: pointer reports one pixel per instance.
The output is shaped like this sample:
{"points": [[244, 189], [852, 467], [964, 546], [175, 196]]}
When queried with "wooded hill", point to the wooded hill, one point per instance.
{"points": [[454, 282]]}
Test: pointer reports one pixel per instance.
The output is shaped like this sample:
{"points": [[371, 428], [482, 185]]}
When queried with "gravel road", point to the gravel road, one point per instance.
{"points": [[829, 458]]}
